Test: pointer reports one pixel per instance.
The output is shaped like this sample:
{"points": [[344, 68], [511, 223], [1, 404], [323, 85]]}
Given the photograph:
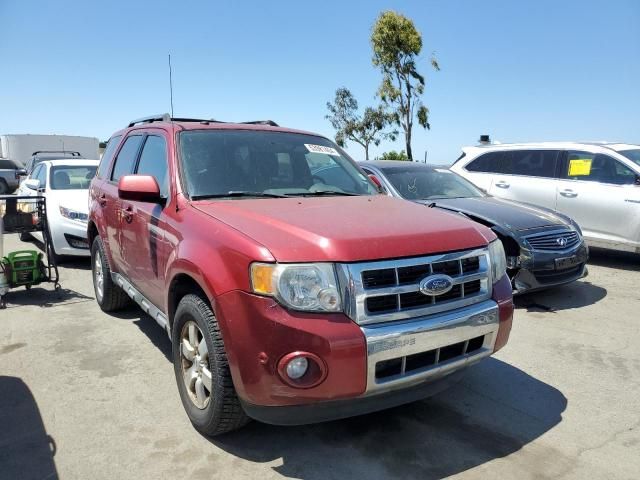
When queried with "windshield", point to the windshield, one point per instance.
{"points": [[429, 184], [633, 155], [249, 163], [72, 178]]}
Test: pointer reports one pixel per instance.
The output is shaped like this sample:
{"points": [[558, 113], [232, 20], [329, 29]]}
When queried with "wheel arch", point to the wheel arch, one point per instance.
{"points": [[183, 284]]}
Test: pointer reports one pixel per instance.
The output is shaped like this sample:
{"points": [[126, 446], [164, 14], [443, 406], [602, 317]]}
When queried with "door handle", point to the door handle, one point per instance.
{"points": [[568, 193], [502, 184], [102, 200], [127, 214]]}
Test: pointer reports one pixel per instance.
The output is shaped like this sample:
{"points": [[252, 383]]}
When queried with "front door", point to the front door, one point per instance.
{"points": [[144, 225], [599, 193]]}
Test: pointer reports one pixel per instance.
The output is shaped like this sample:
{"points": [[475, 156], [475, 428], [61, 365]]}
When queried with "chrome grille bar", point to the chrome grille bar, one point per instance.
{"points": [[469, 270]]}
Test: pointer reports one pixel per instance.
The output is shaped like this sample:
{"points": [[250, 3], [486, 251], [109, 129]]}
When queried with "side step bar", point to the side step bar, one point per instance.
{"points": [[148, 307]]}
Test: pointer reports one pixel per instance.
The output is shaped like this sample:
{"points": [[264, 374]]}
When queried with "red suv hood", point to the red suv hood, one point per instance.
{"points": [[346, 229]]}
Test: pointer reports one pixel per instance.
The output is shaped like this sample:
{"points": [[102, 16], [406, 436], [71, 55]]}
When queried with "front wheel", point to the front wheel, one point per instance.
{"points": [[202, 369]]}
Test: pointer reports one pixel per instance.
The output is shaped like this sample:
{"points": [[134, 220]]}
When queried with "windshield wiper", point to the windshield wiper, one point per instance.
{"points": [[322, 193], [237, 193]]}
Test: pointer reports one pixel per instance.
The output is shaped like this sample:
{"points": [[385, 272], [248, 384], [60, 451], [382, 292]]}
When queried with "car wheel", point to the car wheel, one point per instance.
{"points": [[110, 297], [202, 369], [4, 188]]}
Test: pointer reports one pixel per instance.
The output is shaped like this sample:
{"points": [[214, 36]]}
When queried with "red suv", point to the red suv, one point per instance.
{"points": [[292, 292]]}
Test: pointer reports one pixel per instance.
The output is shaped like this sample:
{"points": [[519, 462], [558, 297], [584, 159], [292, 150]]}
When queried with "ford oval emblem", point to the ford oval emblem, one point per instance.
{"points": [[436, 285]]}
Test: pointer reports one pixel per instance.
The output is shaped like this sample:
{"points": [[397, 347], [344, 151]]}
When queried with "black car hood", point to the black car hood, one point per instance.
{"points": [[507, 214]]}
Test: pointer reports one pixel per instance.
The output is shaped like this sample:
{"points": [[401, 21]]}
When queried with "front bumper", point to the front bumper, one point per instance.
{"points": [[258, 332], [538, 269], [68, 236]]}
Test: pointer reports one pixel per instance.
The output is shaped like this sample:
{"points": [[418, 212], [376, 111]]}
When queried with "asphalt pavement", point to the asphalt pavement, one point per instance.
{"points": [[87, 395]]}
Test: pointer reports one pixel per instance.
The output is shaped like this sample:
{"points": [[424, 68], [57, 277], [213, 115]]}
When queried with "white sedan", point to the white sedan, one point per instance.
{"points": [[65, 185]]}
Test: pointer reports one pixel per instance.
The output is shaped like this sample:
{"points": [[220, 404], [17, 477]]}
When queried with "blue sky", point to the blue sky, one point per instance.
{"points": [[518, 70]]}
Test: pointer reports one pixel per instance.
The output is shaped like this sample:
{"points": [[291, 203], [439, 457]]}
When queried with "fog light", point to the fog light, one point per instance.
{"points": [[297, 367]]}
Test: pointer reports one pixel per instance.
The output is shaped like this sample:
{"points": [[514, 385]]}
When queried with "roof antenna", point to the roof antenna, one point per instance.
{"points": [[170, 86]]}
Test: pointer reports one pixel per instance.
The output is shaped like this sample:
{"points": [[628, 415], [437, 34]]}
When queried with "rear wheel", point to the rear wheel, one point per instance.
{"points": [[202, 369], [4, 188], [110, 297]]}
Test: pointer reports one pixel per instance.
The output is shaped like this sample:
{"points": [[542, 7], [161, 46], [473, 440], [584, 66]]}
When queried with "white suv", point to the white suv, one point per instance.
{"points": [[597, 184]]}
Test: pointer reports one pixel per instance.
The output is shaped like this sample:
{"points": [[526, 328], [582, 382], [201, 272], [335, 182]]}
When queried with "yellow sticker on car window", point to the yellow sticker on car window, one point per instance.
{"points": [[579, 167]]}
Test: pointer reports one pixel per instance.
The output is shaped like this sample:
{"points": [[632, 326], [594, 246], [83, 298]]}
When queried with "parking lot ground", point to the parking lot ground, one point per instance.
{"points": [[89, 395]]}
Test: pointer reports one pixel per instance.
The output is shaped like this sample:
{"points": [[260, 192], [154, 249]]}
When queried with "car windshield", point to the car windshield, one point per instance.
{"points": [[248, 163], [633, 155], [72, 178], [429, 184]]}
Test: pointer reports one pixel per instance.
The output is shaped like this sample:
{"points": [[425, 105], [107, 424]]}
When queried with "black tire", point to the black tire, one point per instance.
{"points": [[113, 297], [223, 412], [4, 188], [57, 259]]}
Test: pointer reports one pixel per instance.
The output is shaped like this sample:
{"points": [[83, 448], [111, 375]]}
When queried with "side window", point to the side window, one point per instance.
{"points": [[533, 163], [107, 156], [34, 174], [6, 165], [126, 159], [491, 162], [598, 168], [153, 161]]}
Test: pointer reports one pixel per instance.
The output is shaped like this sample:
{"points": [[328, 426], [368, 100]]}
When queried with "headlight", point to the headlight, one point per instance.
{"points": [[73, 214], [310, 287], [498, 260]]}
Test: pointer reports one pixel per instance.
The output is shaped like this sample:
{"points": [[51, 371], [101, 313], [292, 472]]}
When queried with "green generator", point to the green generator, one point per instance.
{"points": [[23, 267]]}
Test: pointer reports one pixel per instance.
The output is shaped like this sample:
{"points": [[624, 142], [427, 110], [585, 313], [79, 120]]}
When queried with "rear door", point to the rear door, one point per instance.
{"points": [[599, 192], [528, 176], [123, 165], [144, 224]]}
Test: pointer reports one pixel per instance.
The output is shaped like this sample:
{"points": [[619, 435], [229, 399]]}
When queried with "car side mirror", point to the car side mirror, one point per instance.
{"points": [[376, 181], [21, 172], [139, 188], [32, 184]]}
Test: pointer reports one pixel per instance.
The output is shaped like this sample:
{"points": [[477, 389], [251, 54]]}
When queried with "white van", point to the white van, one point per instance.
{"points": [[597, 184]]}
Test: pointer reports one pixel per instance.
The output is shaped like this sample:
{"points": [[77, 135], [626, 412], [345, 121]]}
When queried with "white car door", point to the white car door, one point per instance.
{"points": [[601, 194], [530, 176]]}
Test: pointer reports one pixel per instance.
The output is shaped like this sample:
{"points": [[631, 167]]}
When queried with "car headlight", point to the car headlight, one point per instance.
{"points": [[310, 287], [498, 260], [73, 214]]}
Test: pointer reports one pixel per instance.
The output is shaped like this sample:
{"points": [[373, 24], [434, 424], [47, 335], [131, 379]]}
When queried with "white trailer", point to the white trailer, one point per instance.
{"points": [[22, 147]]}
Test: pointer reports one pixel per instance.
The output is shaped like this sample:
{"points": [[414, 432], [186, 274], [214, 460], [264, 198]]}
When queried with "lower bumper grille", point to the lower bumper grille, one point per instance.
{"points": [[425, 360]]}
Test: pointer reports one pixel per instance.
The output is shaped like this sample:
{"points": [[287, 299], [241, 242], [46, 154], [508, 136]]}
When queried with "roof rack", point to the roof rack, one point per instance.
{"points": [[73, 153], [165, 117], [271, 123]]}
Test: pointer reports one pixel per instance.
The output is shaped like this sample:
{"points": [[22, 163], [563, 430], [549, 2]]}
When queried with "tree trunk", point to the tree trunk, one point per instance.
{"points": [[407, 138], [366, 152]]}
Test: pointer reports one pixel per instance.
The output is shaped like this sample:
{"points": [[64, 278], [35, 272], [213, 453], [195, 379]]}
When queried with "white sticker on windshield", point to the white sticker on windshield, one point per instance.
{"points": [[321, 149]]}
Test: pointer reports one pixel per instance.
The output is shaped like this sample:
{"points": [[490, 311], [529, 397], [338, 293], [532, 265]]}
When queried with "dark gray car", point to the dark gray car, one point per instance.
{"points": [[543, 248], [11, 173]]}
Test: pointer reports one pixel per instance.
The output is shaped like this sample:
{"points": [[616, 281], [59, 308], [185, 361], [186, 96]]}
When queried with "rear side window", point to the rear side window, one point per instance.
{"points": [[491, 162], [126, 158], [153, 161], [533, 163], [107, 156], [8, 165]]}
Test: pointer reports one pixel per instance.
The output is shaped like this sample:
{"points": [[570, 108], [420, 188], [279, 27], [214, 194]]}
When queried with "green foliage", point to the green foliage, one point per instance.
{"points": [[349, 125], [393, 155], [396, 44]]}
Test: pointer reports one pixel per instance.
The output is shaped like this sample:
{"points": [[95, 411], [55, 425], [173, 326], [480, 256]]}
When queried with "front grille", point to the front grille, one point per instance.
{"points": [[390, 290], [557, 240], [419, 362]]}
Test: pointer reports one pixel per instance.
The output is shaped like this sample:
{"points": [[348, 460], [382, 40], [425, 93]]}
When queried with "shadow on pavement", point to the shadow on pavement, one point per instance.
{"points": [[44, 296], [26, 451], [574, 295], [149, 327], [614, 259], [495, 411]]}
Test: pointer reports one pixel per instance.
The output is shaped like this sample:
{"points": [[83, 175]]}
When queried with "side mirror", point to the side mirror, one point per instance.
{"points": [[139, 188], [32, 184], [376, 181], [21, 172]]}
